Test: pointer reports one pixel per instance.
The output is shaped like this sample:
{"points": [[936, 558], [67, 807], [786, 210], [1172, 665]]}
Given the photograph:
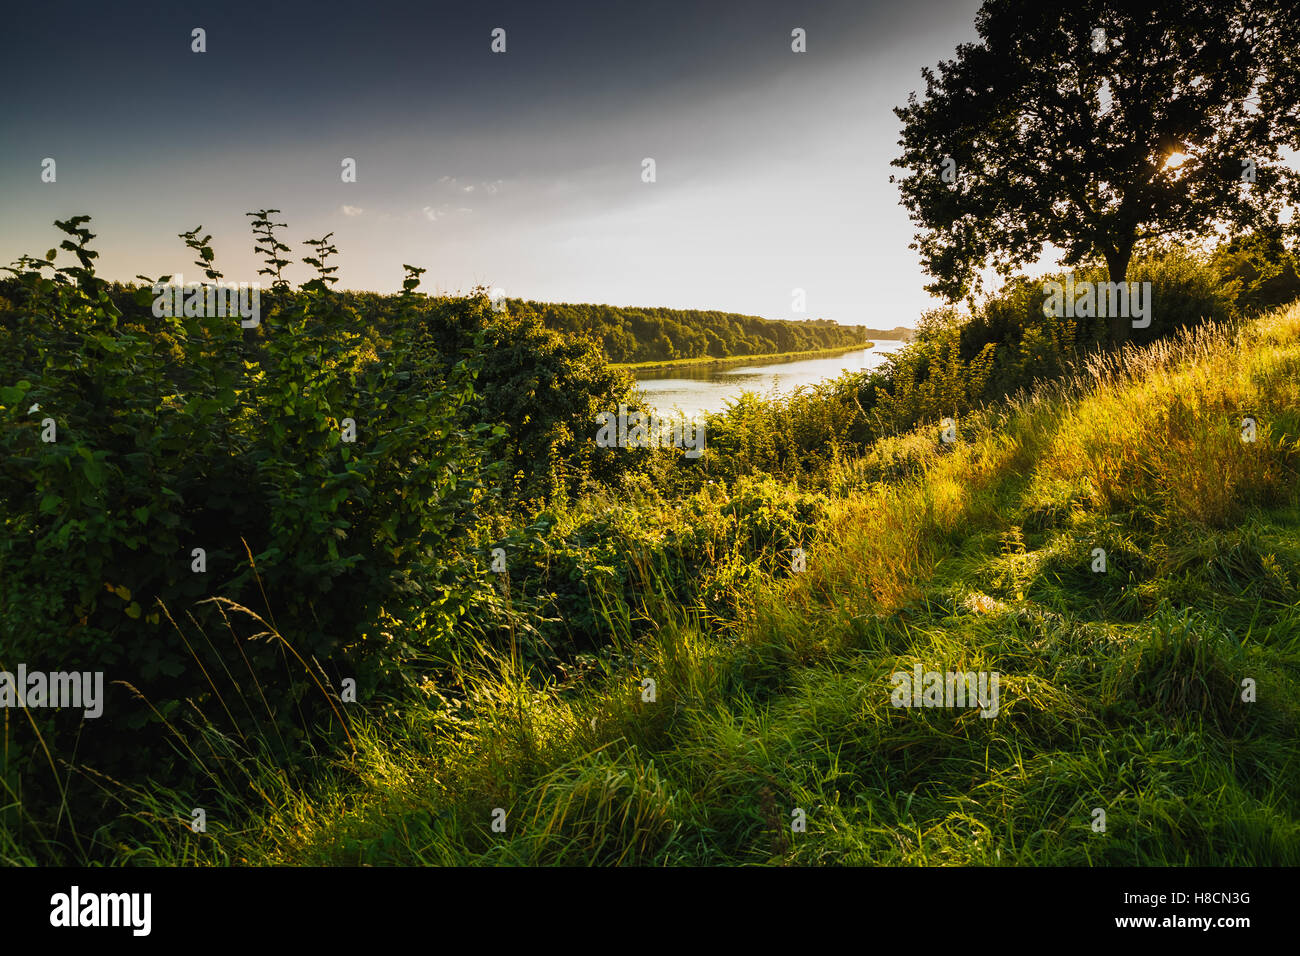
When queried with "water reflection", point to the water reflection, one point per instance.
{"points": [[698, 390]]}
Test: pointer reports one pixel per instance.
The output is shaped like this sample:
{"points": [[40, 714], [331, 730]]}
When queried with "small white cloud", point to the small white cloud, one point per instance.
{"points": [[467, 189], [434, 213], [352, 210]]}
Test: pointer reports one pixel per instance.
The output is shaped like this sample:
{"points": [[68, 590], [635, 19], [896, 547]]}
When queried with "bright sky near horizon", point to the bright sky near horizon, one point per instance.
{"points": [[521, 170]]}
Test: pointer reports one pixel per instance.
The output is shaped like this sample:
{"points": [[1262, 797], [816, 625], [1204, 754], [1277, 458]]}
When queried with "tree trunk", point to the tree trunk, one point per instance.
{"points": [[1117, 264]]}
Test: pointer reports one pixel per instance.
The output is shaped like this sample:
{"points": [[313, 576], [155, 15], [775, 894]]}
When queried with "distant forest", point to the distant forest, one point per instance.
{"points": [[658, 334]]}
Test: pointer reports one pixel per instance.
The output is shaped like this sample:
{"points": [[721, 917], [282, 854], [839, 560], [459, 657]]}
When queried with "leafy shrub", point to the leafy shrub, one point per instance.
{"points": [[1008, 343], [1258, 270], [179, 433]]}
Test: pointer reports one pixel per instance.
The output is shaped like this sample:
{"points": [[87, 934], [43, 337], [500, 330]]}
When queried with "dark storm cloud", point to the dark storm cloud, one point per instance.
{"points": [[277, 69]]}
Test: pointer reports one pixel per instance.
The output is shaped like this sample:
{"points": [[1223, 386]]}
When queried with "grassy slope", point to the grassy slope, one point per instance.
{"points": [[1120, 691]]}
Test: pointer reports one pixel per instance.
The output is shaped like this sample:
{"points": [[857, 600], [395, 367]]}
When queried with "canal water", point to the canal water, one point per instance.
{"points": [[703, 390]]}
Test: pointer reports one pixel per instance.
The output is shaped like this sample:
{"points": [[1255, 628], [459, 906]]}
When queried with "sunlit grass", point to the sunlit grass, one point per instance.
{"points": [[1121, 690]]}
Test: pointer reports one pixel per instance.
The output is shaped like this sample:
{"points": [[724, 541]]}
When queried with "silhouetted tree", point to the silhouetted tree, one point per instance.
{"points": [[1059, 126]]}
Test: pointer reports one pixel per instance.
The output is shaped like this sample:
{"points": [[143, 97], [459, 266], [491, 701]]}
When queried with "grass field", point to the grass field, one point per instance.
{"points": [[1121, 690]]}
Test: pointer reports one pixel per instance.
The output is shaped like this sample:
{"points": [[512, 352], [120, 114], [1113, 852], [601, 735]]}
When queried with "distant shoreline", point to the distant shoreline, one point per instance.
{"points": [[706, 361]]}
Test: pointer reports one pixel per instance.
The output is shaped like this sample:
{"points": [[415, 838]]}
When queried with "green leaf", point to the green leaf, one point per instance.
{"points": [[12, 394]]}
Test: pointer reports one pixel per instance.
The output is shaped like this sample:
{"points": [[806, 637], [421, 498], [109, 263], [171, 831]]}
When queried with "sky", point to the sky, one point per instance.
{"points": [[520, 170]]}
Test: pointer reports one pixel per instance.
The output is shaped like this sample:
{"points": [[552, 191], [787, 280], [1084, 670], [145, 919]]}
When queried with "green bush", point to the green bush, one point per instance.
{"points": [[1259, 271], [1009, 343], [173, 434]]}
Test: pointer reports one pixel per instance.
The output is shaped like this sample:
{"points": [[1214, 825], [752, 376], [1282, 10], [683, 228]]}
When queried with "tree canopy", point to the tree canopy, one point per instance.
{"points": [[1095, 126]]}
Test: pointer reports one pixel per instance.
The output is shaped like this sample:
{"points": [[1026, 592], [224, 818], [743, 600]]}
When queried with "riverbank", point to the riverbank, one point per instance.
{"points": [[1127, 690], [708, 361]]}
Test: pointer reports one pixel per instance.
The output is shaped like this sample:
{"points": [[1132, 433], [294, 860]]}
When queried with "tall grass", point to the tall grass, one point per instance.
{"points": [[1122, 690]]}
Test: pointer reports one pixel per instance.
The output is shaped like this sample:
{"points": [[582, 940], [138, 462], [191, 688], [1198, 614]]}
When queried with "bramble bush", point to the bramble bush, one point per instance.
{"points": [[172, 434]]}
